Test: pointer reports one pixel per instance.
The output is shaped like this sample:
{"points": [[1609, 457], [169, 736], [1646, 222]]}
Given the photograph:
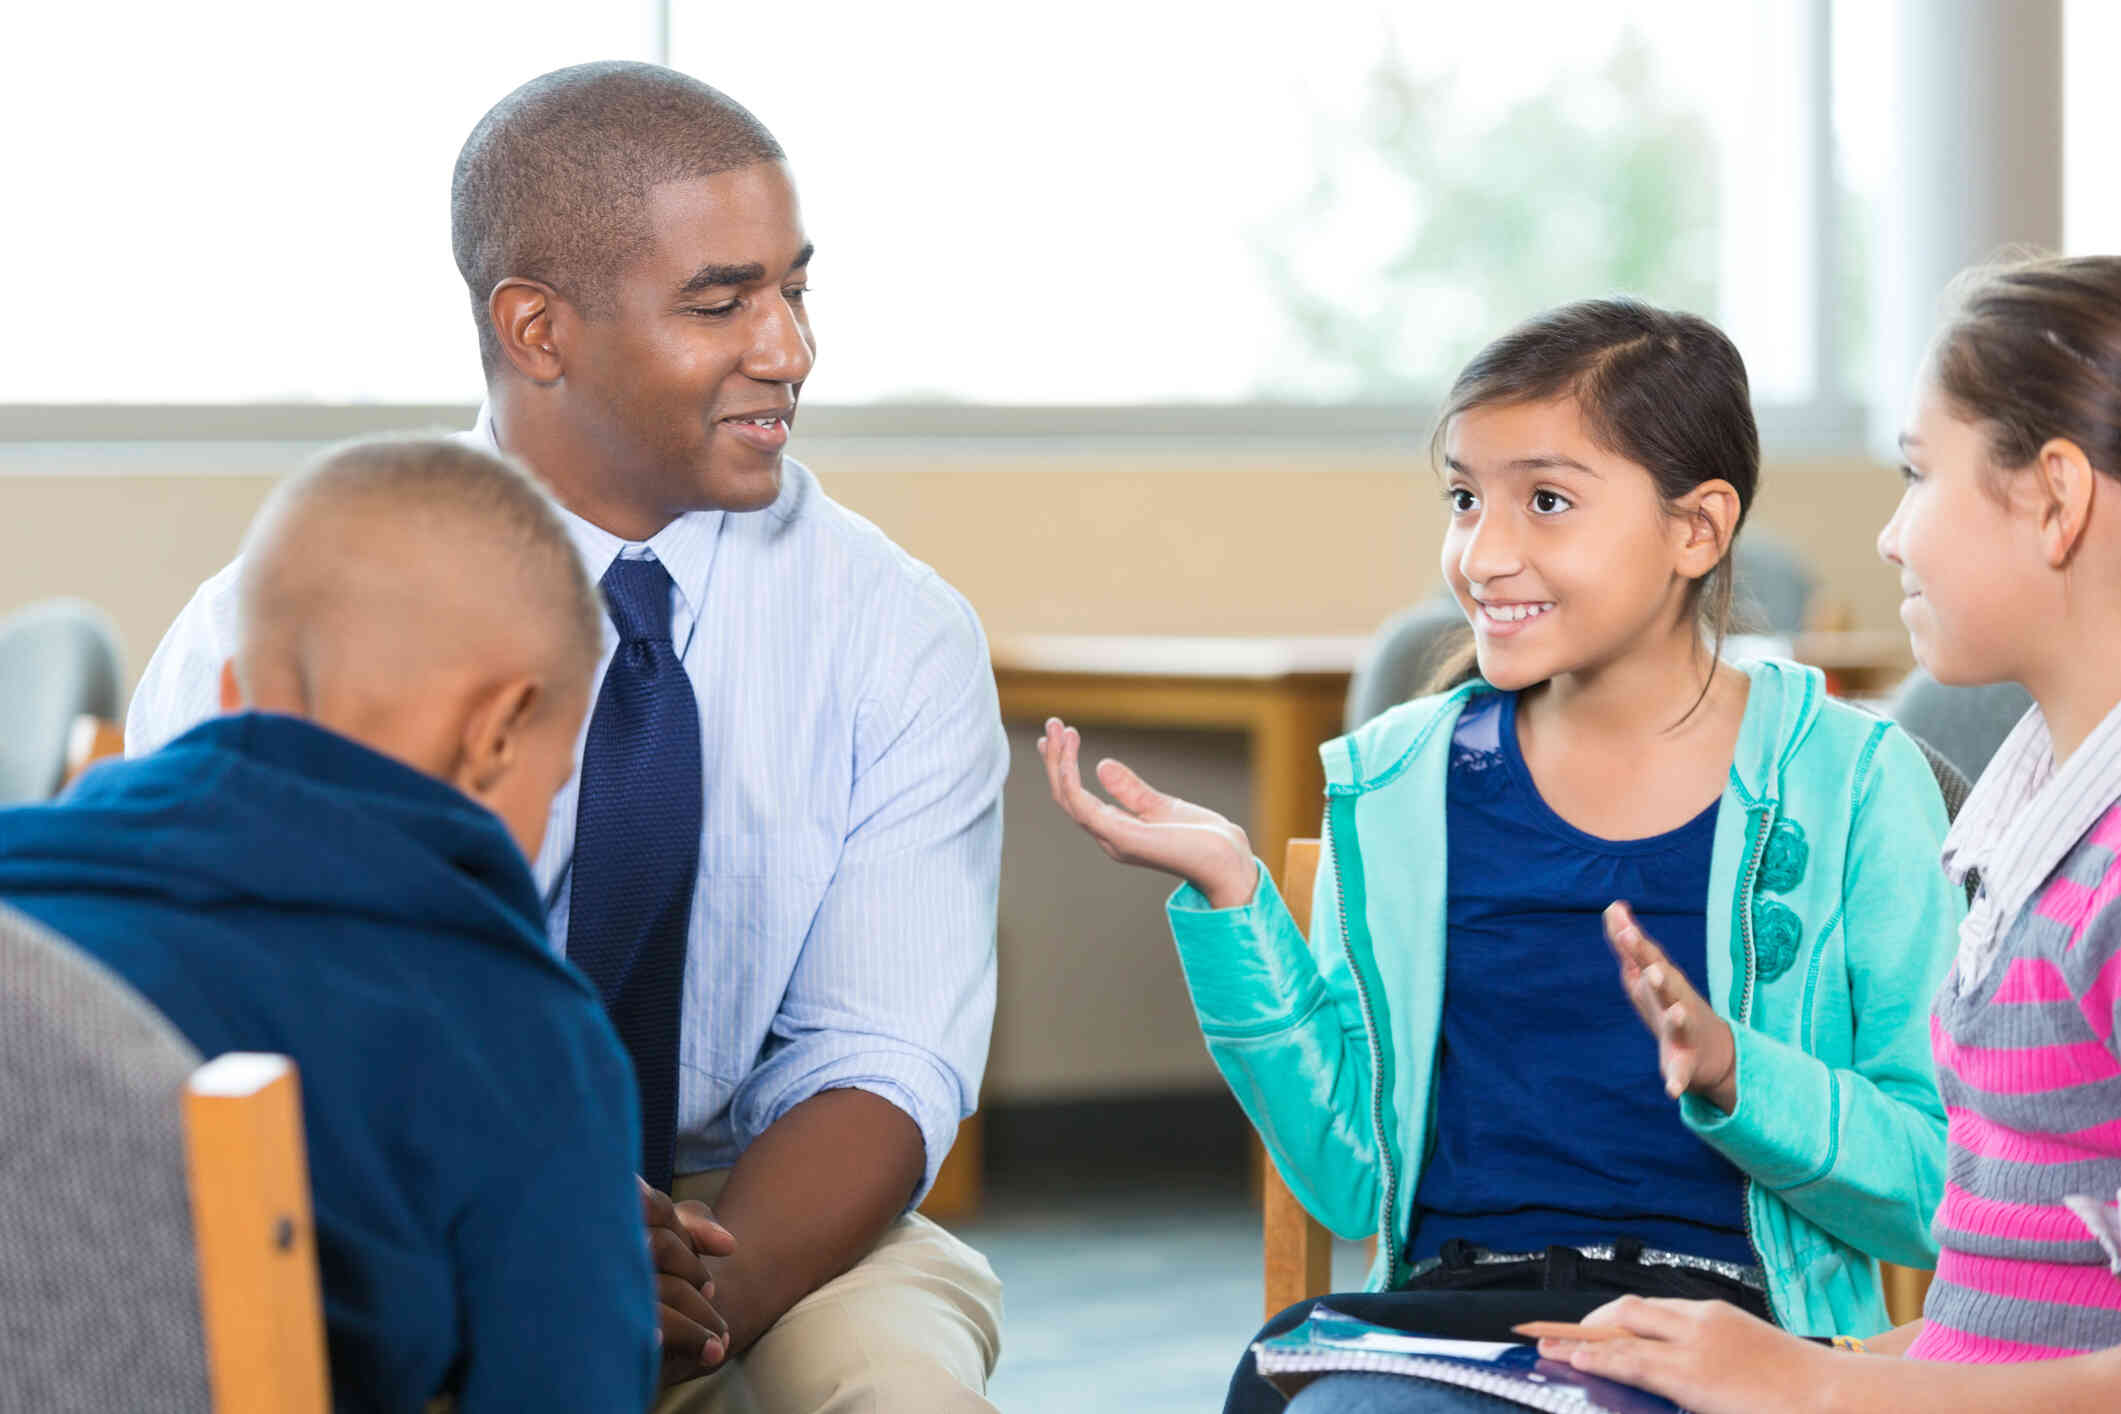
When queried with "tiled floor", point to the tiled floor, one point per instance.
{"points": [[1126, 1294]]}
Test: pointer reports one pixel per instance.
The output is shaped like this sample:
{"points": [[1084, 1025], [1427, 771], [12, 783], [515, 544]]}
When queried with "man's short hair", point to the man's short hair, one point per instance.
{"points": [[553, 183], [437, 487]]}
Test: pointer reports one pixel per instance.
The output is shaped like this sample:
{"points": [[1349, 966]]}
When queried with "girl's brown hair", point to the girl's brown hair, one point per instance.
{"points": [[2031, 351], [1664, 389]]}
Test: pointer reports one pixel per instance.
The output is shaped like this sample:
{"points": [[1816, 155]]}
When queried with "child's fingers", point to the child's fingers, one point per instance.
{"points": [[1656, 1317], [1049, 756], [1061, 777], [1681, 1059], [1065, 773], [1129, 789], [1625, 936], [1672, 987], [1679, 1027], [1643, 998]]}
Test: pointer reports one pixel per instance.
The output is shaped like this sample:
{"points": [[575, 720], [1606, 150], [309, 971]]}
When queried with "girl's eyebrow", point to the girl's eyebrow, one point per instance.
{"points": [[1540, 461], [1550, 461]]}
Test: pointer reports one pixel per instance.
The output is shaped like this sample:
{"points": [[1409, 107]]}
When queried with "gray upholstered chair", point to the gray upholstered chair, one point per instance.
{"points": [[1403, 657], [1964, 724], [59, 661], [99, 1296], [1773, 585]]}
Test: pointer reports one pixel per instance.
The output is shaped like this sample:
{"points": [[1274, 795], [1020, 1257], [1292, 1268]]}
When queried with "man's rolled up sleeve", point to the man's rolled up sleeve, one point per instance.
{"points": [[894, 991]]}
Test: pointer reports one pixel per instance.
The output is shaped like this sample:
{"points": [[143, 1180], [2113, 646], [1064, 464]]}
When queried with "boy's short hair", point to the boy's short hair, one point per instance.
{"points": [[437, 487], [553, 183]]}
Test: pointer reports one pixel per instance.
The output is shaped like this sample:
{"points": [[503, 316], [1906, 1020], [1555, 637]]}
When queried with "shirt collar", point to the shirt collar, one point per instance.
{"points": [[2021, 820], [685, 547]]}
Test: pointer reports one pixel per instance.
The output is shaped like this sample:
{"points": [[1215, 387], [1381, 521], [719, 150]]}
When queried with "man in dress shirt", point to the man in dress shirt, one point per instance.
{"points": [[798, 945]]}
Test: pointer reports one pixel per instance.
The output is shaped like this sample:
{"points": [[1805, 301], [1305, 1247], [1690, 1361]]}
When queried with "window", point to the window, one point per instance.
{"points": [[1115, 203], [2091, 187], [248, 201], [1106, 203]]}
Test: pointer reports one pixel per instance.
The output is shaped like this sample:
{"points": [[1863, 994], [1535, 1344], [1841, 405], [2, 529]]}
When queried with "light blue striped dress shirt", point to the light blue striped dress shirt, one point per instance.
{"points": [[843, 926]]}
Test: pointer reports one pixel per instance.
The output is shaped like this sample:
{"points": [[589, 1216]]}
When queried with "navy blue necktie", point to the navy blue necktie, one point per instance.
{"points": [[637, 846]]}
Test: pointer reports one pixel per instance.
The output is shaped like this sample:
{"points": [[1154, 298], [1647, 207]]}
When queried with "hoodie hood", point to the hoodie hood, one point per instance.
{"points": [[264, 809]]}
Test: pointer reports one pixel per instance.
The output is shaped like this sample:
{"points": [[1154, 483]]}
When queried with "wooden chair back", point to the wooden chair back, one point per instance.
{"points": [[1299, 1249], [258, 1290], [90, 739]]}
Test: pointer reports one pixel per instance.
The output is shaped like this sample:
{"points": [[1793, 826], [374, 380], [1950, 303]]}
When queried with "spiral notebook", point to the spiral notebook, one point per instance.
{"points": [[1333, 1343]]}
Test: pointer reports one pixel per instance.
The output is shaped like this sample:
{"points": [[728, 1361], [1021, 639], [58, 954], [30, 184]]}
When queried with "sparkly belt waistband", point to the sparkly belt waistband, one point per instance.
{"points": [[1753, 1277]]}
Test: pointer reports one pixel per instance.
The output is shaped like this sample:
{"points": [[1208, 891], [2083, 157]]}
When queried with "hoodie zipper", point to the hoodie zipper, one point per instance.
{"points": [[1747, 884], [1387, 1243]]}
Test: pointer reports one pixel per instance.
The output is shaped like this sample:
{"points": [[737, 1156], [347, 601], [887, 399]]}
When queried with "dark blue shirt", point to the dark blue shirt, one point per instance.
{"points": [[470, 1116], [1552, 1125]]}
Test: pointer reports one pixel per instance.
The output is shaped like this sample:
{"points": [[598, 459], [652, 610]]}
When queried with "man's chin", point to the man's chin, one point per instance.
{"points": [[747, 490]]}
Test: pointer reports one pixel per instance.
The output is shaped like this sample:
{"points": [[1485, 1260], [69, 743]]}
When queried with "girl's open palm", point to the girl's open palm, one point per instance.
{"points": [[1147, 827]]}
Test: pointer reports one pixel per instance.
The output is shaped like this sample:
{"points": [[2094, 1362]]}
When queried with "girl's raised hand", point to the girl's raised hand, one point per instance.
{"points": [[1695, 1049], [1147, 827]]}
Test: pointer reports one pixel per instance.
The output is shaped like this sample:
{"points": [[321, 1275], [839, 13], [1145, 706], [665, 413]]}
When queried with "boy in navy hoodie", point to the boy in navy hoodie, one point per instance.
{"points": [[337, 871]]}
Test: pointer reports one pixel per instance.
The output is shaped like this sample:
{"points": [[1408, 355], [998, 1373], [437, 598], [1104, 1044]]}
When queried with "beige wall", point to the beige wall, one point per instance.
{"points": [[1092, 1001], [1110, 542]]}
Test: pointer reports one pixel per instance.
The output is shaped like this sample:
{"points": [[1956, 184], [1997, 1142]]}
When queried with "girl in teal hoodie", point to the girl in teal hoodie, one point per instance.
{"points": [[1510, 844]]}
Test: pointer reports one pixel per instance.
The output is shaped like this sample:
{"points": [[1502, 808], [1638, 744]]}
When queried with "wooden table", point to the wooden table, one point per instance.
{"points": [[1284, 695], [1858, 662]]}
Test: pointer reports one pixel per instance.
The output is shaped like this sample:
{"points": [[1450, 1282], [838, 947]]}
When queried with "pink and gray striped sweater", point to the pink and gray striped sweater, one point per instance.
{"points": [[2030, 1069]]}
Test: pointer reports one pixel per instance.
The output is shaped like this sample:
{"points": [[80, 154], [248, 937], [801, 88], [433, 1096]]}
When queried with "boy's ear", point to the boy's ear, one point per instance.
{"points": [[231, 690], [523, 316], [493, 735], [2068, 486], [1709, 514]]}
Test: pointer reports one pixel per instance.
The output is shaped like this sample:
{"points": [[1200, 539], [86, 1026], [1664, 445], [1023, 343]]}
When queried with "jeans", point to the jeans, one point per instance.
{"points": [[1390, 1394], [1462, 1301]]}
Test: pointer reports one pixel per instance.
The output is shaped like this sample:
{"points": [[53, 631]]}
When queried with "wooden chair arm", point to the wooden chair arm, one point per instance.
{"points": [[259, 1294], [89, 740]]}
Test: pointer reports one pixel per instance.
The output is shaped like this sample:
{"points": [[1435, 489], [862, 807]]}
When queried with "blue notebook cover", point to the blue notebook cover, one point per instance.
{"points": [[1331, 1342]]}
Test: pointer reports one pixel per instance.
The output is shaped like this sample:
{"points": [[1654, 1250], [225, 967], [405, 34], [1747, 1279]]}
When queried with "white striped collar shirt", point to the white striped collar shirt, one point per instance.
{"points": [[2020, 822]]}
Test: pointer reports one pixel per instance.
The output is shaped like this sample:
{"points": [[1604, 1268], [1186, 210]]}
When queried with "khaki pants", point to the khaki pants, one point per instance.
{"points": [[913, 1328]]}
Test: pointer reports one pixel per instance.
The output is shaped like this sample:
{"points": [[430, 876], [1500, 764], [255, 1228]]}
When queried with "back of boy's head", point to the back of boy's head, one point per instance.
{"points": [[1664, 389], [553, 183], [386, 563], [2030, 349]]}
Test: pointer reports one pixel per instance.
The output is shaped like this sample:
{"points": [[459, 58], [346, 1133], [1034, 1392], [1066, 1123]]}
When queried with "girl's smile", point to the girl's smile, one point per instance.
{"points": [[1501, 618]]}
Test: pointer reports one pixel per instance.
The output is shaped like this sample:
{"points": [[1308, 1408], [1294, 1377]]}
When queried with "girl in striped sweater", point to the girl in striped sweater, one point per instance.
{"points": [[2008, 542]]}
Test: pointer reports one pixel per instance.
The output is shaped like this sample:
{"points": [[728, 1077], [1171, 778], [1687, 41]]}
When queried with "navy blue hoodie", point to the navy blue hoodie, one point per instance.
{"points": [[471, 1117]]}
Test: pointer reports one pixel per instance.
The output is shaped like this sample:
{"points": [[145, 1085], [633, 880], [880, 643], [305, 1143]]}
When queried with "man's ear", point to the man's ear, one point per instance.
{"points": [[231, 690], [493, 735], [1708, 515], [522, 312], [2068, 486]]}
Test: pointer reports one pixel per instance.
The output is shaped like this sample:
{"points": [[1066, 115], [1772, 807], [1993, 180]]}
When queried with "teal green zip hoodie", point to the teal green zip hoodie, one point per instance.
{"points": [[1830, 926]]}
